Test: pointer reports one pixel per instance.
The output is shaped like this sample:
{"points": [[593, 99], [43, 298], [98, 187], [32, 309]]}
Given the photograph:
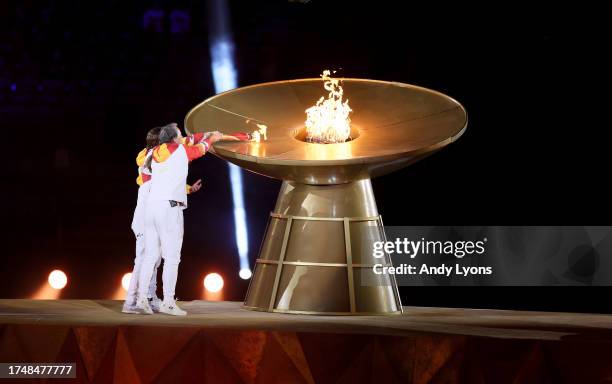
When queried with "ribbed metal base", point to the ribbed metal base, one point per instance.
{"points": [[316, 257]]}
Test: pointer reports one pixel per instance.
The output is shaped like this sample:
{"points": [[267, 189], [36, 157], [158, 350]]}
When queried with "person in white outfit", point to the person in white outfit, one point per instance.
{"points": [[164, 213], [144, 176]]}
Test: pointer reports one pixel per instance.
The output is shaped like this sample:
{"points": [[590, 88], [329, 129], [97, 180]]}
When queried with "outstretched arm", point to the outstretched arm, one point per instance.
{"points": [[237, 136], [196, 138], [198, 150]]}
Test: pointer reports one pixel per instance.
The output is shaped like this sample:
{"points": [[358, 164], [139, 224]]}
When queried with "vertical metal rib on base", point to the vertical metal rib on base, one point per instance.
{"points": [[349, 264], [279, 266], [317, 254]]}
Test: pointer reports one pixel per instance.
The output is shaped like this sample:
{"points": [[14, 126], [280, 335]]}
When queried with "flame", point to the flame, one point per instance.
{"points": [[261, 132], [328, 120]]}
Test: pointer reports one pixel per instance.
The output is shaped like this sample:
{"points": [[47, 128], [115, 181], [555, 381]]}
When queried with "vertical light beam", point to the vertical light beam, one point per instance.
{"points": [[225, 78]]}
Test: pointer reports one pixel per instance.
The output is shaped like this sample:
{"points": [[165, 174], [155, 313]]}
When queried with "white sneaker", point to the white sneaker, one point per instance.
{"points": [[155, 303], [143, 307], [171, 308], [129, 308]]}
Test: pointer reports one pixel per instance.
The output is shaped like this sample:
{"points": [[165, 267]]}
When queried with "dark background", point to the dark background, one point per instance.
{"points": [[82, 82]]}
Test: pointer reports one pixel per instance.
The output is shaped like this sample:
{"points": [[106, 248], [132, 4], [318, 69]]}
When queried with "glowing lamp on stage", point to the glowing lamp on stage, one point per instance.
{"points": [[245, 273], [57, 279], [316, 254], [125, 281], [213, 282]]}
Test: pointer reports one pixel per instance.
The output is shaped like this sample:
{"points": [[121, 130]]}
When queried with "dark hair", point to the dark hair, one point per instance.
{"points": [[162, 135], [168, 133], [153, 137]]}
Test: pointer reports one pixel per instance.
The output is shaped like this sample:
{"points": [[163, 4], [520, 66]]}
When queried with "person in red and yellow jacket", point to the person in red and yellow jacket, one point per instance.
{"points": [[164, 210], [144, 175]]}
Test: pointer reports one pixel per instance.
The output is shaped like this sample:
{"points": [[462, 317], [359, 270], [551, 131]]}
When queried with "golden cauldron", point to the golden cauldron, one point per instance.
{"points": [[317, 250]]}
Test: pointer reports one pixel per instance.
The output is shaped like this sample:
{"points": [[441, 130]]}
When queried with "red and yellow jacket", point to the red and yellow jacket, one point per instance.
{"points": [[140, 160], [142, 178], [195, 146]]}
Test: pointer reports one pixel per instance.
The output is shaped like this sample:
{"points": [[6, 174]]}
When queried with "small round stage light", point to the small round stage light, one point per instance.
{"points": [[57, 279], [213, 282], [125, 280], [245, 273]]}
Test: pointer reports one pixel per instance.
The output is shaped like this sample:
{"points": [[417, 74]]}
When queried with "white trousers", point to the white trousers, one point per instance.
{"points": [[130, 298], [138, 228], [163, 236]]}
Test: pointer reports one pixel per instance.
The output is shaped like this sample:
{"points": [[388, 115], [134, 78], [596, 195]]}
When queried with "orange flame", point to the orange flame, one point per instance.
{"points": [[328, 120], [261, 132]]}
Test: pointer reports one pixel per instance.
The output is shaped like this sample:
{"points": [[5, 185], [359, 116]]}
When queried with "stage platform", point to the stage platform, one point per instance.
{"points": [[219, 342]]}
